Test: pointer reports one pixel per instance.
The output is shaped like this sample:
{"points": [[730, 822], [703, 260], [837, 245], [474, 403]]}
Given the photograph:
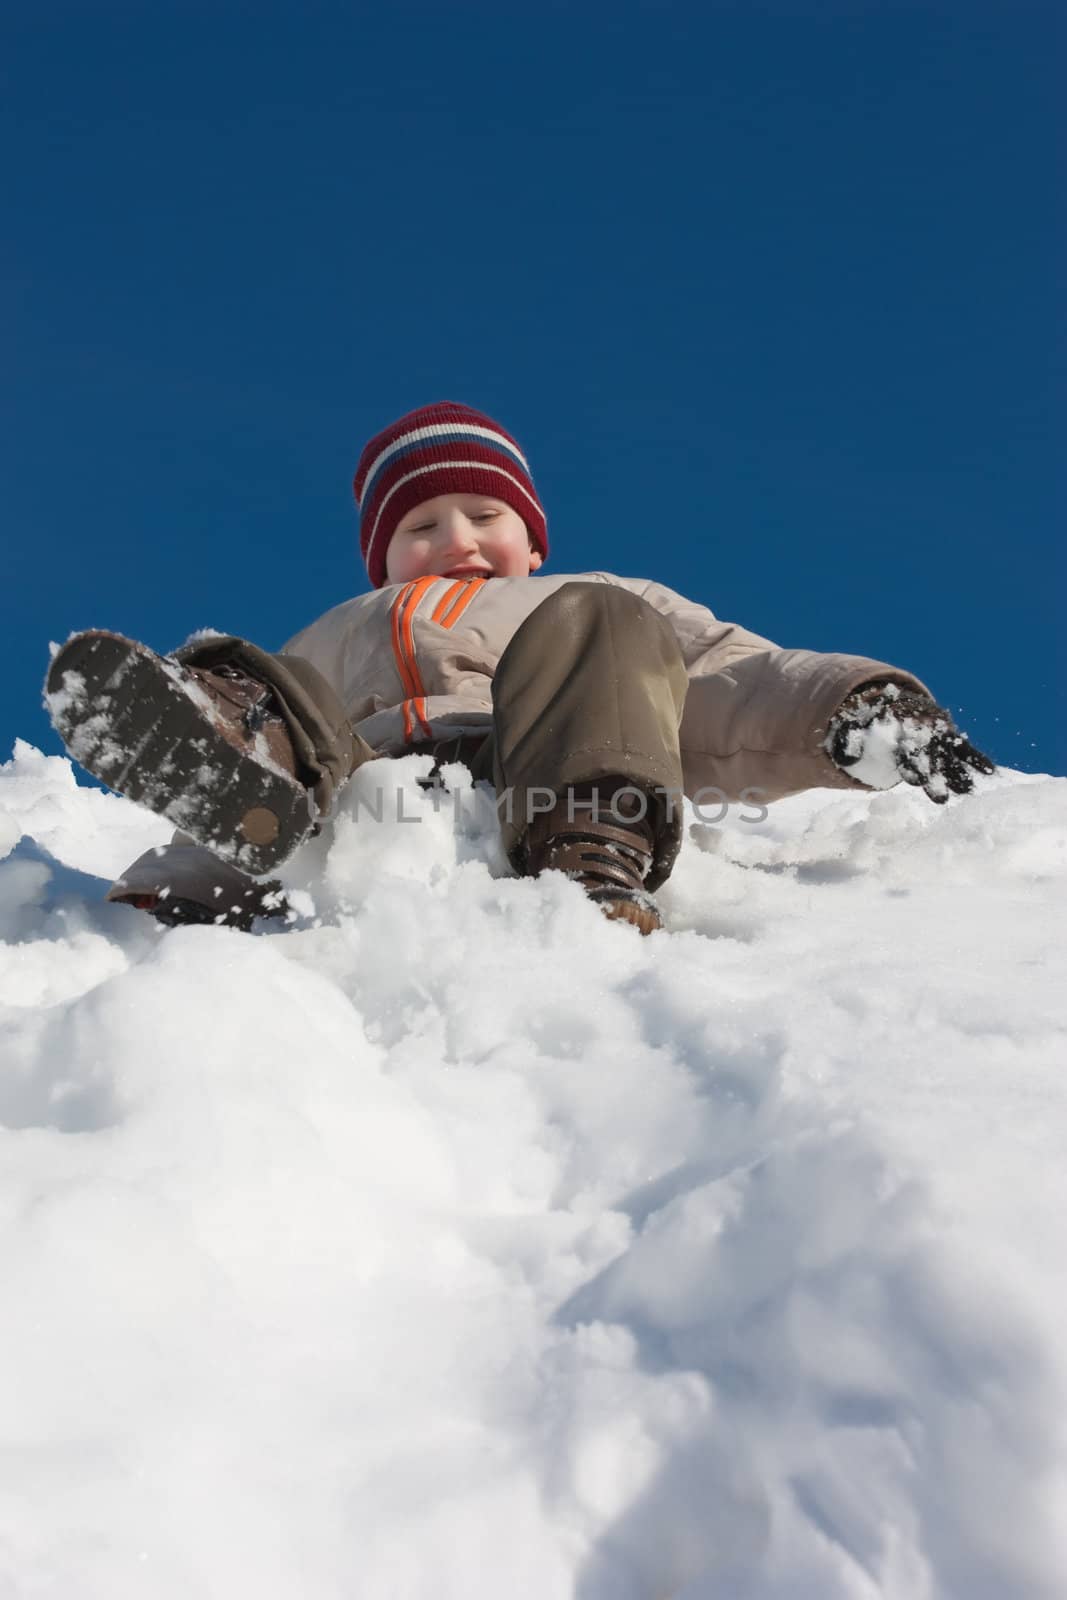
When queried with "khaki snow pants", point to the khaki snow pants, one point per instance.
{"points": [[592, 685]]}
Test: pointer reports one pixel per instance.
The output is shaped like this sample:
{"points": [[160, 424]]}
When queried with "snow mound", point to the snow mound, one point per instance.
{"points": [[456, 1243]]}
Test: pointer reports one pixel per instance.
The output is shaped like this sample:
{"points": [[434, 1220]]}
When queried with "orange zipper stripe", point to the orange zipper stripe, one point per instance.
{"points": [[448, 610], [446, 600], [398, 652], [404, 608], [407, 634], [462, 602]]}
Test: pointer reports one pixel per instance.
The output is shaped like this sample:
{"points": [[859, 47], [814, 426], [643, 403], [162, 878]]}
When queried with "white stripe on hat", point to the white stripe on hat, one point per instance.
{"points": [[435, 466], [434, 432]]}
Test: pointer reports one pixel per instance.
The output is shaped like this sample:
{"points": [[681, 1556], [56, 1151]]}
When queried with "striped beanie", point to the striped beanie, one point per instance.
{"points": [[439, 449]]}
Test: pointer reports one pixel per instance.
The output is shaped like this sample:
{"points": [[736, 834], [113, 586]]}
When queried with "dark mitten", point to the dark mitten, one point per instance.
{"points": [[883, 734]]}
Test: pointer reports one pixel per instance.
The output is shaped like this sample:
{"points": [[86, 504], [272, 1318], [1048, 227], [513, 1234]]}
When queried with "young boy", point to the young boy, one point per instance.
{"points": [[591, 702]]}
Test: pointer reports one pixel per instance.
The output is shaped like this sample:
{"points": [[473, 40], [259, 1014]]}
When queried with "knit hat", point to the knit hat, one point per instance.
{"points": [[440, 449]]}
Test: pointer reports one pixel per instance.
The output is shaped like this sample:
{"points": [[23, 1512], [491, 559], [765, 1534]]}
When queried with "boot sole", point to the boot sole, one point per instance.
{"points": [[132, 719]]}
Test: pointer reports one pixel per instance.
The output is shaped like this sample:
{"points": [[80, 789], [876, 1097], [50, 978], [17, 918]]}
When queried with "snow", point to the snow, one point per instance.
{"points": [[879, 743], [454, 1242]]}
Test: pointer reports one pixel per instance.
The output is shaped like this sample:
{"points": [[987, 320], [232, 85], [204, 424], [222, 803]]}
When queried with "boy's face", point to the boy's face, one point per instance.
{"points": [[460, 536]]}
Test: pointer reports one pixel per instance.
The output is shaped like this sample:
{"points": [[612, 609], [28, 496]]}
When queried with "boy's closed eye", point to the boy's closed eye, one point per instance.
{"points": [[491, 514]]}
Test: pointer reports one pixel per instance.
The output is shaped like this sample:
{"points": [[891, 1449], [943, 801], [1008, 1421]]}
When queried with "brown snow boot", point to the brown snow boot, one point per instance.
{"points": [[208, 749], [600, 833]]}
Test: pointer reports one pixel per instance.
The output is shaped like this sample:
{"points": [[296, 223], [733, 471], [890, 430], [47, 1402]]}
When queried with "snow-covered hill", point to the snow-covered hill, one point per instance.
{"points": [[454, 1243]]}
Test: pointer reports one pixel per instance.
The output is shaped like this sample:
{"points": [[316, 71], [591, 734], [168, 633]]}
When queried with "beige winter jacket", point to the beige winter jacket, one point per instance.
{"points": [[755, 715]]}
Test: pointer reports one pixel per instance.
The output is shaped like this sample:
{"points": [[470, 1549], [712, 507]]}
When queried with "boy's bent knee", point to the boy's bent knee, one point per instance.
{"points": [[580, 599], [579, 612]]}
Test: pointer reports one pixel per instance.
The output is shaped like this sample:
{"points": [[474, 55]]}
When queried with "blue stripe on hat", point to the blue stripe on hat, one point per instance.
{"points": [[445, 436]]}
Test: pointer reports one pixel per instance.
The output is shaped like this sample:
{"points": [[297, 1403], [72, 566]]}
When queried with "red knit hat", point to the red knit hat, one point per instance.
{"points": [[439, 449]]}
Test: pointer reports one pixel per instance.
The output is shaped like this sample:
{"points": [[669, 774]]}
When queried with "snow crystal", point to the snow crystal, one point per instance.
{"points": [[456, 1242]]}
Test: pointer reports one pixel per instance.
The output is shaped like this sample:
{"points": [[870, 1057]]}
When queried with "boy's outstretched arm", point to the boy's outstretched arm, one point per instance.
{"points": [[761, 722]]}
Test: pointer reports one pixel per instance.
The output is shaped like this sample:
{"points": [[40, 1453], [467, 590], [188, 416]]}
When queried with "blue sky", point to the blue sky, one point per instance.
{"points": [[771, 294]]}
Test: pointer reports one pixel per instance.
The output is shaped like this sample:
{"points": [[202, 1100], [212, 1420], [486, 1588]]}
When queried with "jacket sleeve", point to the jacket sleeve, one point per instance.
{"points": [[755, 715]]}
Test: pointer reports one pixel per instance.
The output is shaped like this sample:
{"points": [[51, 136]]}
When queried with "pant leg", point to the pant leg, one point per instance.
{"points": [[592, 685], [326, 748]]}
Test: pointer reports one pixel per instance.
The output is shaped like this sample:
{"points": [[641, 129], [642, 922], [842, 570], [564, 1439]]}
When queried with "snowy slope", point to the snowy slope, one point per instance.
{"points": [[455, 1243]]}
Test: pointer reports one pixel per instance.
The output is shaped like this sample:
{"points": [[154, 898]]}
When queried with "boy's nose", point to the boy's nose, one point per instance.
{"points": [[461, 533]]}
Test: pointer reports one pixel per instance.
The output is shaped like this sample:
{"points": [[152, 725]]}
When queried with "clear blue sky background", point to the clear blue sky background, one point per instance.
{"points": [[772, 294]]}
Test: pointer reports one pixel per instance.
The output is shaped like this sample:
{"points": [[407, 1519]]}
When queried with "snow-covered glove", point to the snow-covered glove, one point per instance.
{"points": [[884, 733]]}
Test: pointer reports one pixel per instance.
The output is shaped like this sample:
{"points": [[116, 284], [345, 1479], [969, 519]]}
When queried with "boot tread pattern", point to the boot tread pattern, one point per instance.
{"points": [[141, 725]]}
